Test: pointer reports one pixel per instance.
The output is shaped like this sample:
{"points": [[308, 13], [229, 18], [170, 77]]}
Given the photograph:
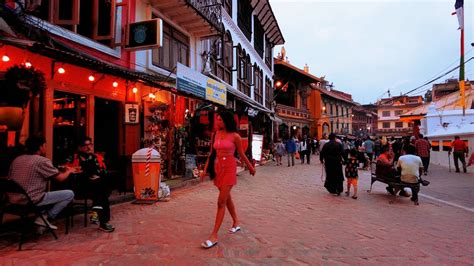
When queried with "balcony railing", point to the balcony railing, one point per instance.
{"points": [[210, 10]]}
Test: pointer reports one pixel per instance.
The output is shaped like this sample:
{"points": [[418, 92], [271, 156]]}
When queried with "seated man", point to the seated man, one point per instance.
{"points": [[385, 170], [94, 182], [32, 172], [411, 167]]}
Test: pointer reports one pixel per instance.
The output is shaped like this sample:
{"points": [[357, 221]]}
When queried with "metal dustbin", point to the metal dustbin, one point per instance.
{"points": [[146, 174]]}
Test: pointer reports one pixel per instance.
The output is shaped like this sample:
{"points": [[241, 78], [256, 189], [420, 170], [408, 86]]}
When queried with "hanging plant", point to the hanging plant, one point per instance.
{"points": [[20, 84]]}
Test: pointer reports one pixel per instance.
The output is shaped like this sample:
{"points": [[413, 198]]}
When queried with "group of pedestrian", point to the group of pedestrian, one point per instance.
{"points": [[294, 148]]}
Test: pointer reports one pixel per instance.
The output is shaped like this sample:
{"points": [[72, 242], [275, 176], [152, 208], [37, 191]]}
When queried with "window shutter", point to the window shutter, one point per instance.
{"points": [[65, 12], [104, 18]]}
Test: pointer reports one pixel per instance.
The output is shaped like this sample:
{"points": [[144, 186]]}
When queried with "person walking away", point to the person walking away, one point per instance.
{"points": [[32, 172], [411, 168], [422, 149], [369, 148], [290, 146], [351, 173], [225, 142], [459, 148], [332, 156], [279, 151]]}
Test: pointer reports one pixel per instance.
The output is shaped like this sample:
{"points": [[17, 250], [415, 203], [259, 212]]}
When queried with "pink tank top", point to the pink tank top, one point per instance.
{"points": [[224, 147]]}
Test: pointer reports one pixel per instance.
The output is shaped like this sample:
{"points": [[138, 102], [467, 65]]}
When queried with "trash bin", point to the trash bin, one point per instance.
{"points": [[146, 174]]}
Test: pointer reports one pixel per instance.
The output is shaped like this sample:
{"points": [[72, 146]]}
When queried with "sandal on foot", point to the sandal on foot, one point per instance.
{"points": [[208, 244], [234, 230], [354, 197]]}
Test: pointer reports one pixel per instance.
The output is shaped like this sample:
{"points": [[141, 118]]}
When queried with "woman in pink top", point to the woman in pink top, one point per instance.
{"points": [[225, 142]]}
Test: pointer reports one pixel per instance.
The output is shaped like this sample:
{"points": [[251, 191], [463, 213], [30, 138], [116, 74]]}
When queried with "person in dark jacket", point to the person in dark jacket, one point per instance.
{"points": [[332, 157], [290, 146]]}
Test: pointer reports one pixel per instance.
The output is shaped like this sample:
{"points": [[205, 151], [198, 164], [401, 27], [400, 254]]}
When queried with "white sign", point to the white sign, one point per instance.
{"points": [[257, 145], [195, 83]]}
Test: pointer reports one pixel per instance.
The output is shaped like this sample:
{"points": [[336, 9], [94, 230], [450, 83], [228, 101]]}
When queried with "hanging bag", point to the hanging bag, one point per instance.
{"points": [[211, 159]]}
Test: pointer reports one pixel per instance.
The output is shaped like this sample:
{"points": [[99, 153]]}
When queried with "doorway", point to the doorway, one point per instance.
{"points": [[107, 130]]}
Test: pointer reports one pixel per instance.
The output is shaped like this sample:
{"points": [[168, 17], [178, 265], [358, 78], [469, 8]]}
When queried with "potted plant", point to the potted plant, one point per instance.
{"points": [[20, 84]]}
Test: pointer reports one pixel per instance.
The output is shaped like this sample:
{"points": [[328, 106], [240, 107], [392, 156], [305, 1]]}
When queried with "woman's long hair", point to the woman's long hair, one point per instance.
{"points": [[229, 121]]}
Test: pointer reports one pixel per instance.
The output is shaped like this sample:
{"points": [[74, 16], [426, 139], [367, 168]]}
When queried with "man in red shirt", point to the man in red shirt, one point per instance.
{"points": [[423, 147], [459, 148]]}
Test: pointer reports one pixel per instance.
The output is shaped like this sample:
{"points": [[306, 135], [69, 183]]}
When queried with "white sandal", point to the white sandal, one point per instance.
{"points": [[234, 230], [208, 244]]}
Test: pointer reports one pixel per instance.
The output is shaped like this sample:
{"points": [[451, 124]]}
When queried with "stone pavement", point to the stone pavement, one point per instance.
{"points": [[287, 218]]}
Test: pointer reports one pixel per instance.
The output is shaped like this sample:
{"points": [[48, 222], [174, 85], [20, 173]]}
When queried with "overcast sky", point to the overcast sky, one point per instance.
{"points": [[367, 47]]}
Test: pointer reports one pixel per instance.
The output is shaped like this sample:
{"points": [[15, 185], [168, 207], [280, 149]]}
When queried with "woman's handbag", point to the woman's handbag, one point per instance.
{"points": [[211, 159]]}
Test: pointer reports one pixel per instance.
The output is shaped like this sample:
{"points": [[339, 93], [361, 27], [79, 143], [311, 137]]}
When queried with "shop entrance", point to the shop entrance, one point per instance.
{"points": [[69, 122], [106, 130]]}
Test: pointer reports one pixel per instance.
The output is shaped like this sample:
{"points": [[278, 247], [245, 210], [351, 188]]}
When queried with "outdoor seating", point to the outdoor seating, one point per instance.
{"points": [[23, 210], [396, 185]]}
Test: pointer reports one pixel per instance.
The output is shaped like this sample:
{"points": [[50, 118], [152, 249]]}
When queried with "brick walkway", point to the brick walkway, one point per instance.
{"points": [[287, 219]]}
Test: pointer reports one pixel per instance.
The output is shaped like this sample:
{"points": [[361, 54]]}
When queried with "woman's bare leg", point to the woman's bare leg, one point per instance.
{"points": [[221, 204], [233, 213]]}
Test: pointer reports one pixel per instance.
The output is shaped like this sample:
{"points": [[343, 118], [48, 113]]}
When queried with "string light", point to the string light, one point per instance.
{"points": [[5, 58], [61, 70], [115, 84], [28, 64], [134, 90], [91, 78], [151, 95]]}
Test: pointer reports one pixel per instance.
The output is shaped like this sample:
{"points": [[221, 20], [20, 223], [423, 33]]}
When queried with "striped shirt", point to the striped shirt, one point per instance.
{"points": [[32, 173]]}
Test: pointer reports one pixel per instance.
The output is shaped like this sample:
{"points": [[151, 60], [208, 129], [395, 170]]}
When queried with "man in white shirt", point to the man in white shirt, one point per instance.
{"points": [[411, 168]]}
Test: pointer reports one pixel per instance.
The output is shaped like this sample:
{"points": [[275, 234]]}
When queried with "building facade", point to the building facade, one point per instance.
{"points": [[292, 98], [389, 111], [363, 121], [106, 80]]}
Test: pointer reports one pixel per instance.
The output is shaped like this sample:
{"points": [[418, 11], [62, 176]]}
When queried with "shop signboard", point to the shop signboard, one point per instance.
{"points": [[195, 83], [146, 34], [132, 114]]}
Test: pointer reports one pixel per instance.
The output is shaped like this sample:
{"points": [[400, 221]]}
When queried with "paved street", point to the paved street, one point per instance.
{"points": [[287, 219]]}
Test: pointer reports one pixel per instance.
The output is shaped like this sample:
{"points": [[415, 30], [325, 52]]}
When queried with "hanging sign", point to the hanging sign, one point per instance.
{"points": [[195, 83], [146, 34]]}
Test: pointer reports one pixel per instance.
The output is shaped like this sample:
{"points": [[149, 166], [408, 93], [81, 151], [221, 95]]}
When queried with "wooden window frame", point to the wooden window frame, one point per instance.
{"points": [[268, 53], [258, 84], [54, 9], [397, 124], [174, 36], [268, 92], [385, 112], [385, 123], [244, 17], [258, 37]]}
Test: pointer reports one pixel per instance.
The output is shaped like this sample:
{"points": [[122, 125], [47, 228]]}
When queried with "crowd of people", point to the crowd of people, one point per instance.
{"points": [[398, 159]]}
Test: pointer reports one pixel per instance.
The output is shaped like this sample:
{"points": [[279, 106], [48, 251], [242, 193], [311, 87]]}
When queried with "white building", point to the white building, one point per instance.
{"points": [[230, 40]]}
